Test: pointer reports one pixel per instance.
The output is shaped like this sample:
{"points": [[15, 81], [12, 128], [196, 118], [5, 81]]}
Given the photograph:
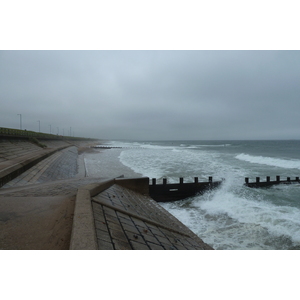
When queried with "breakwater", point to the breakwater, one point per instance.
{"points": [[114, 147], [258, 183], [167, 192]]}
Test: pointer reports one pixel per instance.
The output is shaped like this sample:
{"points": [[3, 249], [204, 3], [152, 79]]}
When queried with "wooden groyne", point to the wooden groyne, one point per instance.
{"points": [[106, 147], [258, 183], [167, 192], [114, 147]]}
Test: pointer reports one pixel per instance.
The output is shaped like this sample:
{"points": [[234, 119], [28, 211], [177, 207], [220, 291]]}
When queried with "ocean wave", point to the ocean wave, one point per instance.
{"points": [[218, 145], [157, 147], [254, 213], [270, 161]]}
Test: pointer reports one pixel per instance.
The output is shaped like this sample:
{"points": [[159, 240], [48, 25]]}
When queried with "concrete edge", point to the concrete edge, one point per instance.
{"points": [[97, 188], [83, 236], [139, 184]]}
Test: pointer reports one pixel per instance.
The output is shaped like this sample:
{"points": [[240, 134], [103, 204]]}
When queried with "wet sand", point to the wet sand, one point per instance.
{"points": [[106, 163]]}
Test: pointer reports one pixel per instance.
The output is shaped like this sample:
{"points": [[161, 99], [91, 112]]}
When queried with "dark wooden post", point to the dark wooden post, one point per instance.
{"points": [[181, 180], [153, 181], [165, 181], [277, 178], [210, 179], [297, 178], [268, 178], [288, 179], [246, 180], [257, 179], [196, 179]]}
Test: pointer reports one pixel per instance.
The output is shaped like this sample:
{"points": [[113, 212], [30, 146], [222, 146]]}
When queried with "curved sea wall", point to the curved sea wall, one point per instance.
{"points": [[39, 210], [19, 152]]}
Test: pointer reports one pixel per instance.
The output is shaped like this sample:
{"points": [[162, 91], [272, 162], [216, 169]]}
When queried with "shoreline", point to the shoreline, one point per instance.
{"points": [[106, 163], [44, 211]]}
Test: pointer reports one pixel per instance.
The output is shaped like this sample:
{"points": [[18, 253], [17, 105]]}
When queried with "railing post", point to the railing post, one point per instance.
{"points": [[181, 180], [164, 181], [268, 178], [277, 178], [246, 180], [257, 179], [210, 179], [288, 179], [297, 178], [196, 179], [153, 181]]}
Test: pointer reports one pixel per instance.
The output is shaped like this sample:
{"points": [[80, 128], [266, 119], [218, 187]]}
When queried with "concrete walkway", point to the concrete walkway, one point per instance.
{"points": [[39, 216], [53, 205]]}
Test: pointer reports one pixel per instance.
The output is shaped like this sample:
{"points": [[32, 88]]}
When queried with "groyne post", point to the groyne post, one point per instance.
{"points": [[268, 182]]}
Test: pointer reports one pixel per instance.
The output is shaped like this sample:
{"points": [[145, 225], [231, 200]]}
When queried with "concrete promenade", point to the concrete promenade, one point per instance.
{"points": [[51, 204]]}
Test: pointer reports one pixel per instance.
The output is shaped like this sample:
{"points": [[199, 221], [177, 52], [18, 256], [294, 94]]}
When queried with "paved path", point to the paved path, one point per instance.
{"points": [[39, 216]]}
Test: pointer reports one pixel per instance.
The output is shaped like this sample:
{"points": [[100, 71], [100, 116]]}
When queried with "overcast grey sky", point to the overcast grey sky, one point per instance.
{"points": [[150, 95]]}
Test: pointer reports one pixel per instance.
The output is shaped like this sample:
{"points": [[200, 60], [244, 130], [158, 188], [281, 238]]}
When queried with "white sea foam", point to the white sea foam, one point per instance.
{"points": [[231, 218], [270, 161], [122, 144], [157, 147], [283, 220], [172, 162], [212, 145]]}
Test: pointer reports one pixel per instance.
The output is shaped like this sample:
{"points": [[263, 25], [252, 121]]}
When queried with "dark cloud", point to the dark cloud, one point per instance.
{"points": [[153, 94]]}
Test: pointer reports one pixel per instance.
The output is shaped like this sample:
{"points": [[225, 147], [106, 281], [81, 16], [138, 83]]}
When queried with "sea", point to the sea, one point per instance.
{"points": [[232, 216]]}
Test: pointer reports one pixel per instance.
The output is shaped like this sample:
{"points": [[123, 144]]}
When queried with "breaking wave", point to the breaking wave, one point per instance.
{"points": [[270, 161]]}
